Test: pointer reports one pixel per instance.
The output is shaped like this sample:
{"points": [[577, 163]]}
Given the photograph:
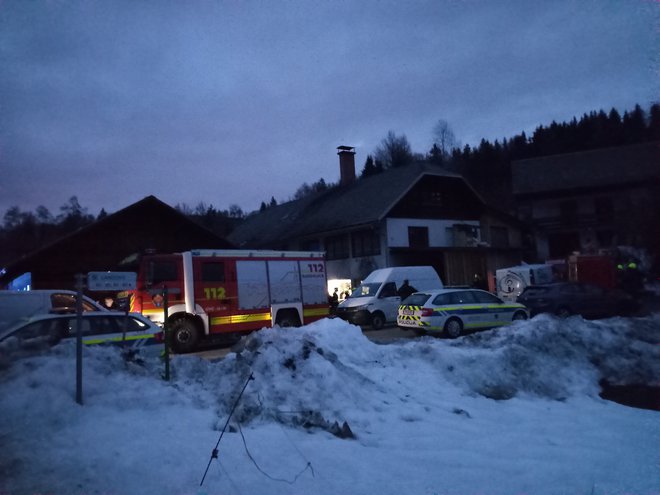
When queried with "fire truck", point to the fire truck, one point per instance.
{"points": [[211, 292]]}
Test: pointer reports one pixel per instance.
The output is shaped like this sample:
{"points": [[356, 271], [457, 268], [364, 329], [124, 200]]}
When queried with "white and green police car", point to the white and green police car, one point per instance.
{"points": [[40, 332], [451, 311]]}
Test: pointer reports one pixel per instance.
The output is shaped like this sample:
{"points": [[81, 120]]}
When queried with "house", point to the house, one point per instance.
{"points": [[591, 201], [108, 244], [420, 214]]}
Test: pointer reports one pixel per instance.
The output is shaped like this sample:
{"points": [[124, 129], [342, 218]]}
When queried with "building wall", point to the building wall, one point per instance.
{"points": [[590, 221], [441, 232]]}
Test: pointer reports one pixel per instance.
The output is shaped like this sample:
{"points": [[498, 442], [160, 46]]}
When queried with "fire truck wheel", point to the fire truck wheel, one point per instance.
{"points": [[288, 319], [184, 335]]}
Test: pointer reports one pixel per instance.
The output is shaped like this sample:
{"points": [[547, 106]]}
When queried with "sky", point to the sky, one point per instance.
{"points": [[511, 411], [232, 103]]}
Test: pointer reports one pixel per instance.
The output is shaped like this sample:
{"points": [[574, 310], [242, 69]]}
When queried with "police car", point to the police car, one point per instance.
{"points": [[41, 332], [450, 312]]}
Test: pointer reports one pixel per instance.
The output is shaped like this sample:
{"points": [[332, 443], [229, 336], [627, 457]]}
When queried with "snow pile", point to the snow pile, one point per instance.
{"points": [[557, 358], [413, 417], [329, 365]]}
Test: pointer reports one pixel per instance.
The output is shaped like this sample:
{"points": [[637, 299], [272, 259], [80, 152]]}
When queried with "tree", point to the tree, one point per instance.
{"points": [[72, 209], [653, 131], [236, 211], [444, 140], [634, 125], [273, 201], [394, 151], [13, 218], [369, 167], [43, 215], [73, 216]]}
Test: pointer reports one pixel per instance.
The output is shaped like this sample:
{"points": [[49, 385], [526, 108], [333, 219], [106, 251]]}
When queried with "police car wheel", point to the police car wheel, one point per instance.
{"points": [[520, 315], [184, 336], [453, 328]]}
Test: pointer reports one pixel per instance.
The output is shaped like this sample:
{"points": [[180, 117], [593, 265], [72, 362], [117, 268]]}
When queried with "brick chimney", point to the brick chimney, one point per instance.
{"points": [[346, 164]]}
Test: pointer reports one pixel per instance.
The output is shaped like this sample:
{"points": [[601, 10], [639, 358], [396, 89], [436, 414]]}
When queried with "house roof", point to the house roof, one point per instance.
{"points": [[361, 202], [589, 169], [148, 223]]}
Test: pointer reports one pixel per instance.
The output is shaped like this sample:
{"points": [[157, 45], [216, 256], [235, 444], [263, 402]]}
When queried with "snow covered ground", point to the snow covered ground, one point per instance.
{"points": [[509, 411]]}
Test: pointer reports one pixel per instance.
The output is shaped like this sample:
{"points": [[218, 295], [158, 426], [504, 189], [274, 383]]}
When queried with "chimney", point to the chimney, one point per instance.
{"points": [[346, 164]]}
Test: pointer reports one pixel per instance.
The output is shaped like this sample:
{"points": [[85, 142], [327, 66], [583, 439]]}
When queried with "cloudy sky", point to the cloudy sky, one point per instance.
{"points": [[230, 102]]}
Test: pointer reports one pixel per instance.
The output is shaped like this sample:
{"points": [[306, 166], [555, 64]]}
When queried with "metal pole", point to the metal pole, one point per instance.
{"points": [[167, 335], [79, 307]]}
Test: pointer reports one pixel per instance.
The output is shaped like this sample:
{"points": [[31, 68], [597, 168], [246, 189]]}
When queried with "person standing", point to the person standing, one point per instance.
{"points": [[406, 289]]}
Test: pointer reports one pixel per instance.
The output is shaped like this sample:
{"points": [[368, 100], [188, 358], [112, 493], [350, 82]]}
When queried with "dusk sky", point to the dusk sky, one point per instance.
{"points": [[230, 102]]}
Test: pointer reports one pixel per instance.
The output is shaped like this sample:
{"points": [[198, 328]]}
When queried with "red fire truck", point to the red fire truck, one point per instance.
{"points": [[228, 291]]}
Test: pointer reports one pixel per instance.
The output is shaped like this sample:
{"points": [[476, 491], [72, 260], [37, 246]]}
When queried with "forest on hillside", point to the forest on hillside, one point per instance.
{"points": [[486, 166]]}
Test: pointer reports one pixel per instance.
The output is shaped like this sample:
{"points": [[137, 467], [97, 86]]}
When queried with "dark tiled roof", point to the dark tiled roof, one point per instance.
{"points": [[148, 223], [589, 169], [362, 202]]}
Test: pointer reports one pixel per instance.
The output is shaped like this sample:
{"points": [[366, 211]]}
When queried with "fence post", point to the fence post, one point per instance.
{"points": [[79, 297], [166, 329]]}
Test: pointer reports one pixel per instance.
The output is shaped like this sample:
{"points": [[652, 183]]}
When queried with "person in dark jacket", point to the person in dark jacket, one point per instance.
{"points": [[406, 289]]}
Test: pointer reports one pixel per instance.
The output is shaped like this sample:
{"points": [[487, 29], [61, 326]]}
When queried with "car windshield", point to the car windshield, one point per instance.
{"points": [[418, 299], [365, 290]]}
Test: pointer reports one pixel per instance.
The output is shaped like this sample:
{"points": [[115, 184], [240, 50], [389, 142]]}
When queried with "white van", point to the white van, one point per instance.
{"points": [[18, 305], [376, 301], [512, 281]]}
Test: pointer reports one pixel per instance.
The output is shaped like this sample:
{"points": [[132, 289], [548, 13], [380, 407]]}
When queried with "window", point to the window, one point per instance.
{"points": [[365, 243], [499, 237], [432, 198], [66, 303], [485, 297], [336, 247], [571, 290], [213, 271], [461, 297], [162, 271], [442, 300], [418, 237], [418, 299], [388, 290]]}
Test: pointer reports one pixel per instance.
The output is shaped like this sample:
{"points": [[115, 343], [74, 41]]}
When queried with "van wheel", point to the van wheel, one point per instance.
{"points": [[184, 335], [377, 320], [453, 328]]}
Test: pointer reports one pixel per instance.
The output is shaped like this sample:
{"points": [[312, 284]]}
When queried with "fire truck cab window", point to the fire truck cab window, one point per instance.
{"points": [[163, 271], [213, 272]]}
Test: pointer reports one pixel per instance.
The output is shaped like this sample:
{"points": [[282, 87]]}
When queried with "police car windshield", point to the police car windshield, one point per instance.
{"points": [[365, 290]]}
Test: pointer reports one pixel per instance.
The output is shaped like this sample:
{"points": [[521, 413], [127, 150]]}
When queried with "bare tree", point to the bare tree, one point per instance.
{"points": [[444, 138], [394, 151]]}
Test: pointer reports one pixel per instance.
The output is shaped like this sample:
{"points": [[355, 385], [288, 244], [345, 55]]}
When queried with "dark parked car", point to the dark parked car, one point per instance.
{"points": [[569, 298]]}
